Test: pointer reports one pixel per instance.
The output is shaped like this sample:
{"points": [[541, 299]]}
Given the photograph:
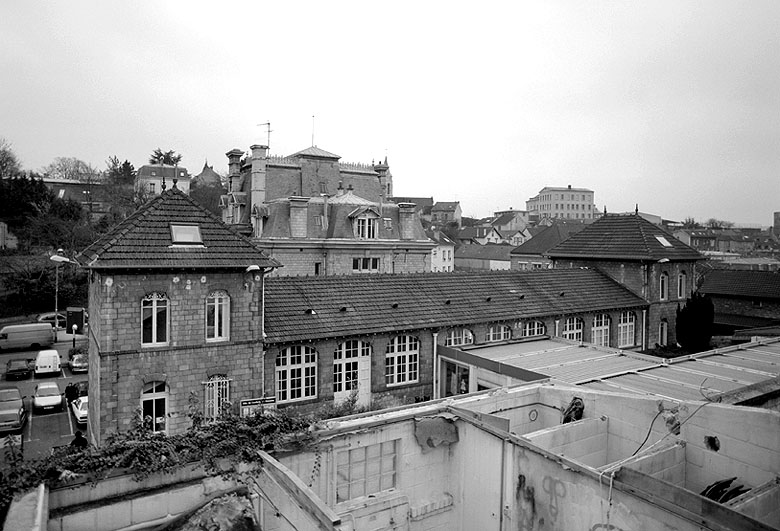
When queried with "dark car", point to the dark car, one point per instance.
{"points": [[19, 368], [13, 413]]}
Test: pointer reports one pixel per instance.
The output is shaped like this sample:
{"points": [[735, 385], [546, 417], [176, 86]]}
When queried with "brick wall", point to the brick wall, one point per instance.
{"points": [[301, 260], [749, 307]]}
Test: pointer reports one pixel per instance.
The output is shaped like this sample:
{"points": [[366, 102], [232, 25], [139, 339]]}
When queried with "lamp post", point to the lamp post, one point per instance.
{"points": [[57, 258]]}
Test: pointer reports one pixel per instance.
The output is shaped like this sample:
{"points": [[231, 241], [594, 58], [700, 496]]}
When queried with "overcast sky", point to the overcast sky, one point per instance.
{"points": [[673, 105]]}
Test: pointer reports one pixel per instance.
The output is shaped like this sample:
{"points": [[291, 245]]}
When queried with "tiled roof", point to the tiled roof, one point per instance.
{"points": [[503, 219], [547, 239], [490, 251], [310, 308], [144, 240], [314, 151], [742, 283], [626, 237], [439, 237], [446, 205]]}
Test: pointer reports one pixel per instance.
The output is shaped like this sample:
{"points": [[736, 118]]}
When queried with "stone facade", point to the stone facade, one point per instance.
{"points": [[644, 280], [120, 365]]}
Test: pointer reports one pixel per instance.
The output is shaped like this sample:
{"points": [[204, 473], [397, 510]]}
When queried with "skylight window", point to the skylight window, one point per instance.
{"points": [[663, 241], [185, 234]]}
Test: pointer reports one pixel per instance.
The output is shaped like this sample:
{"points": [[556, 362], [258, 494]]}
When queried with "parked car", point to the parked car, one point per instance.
{"points": [[19, 368], [79, 409], [49, 318], [47, 397], [13, 413], [79, 363]]}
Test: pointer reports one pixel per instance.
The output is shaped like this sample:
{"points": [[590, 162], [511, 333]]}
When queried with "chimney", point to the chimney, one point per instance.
{"points": [[406, 221], [234, 168], [299, 209], [257, 188], [340, 190]]}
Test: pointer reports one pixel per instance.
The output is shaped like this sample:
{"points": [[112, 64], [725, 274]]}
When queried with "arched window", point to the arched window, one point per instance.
{"points": [[154, 406], [154, 319], [533, 328], [296, 374], [626, 330], [345, 364], [663, 286], [572, 329], [600, 330], [458, 336], [217, 389], [498, 332], [682, 285], [663, 332], [402, 360], [218, 316]]}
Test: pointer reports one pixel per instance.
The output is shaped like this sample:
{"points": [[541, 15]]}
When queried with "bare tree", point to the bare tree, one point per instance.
{"points": [[9, 164], [73, 169]]}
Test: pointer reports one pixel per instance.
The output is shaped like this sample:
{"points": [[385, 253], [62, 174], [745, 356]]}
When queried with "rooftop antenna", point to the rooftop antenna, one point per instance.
{"points": [[312, 130], [267, 134]]}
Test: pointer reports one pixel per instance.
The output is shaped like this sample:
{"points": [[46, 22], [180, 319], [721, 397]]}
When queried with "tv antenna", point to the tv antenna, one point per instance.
{"points": [[267, 133]]}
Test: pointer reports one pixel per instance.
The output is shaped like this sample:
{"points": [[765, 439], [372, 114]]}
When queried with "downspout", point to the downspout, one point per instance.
{"points": [[262, 328], [435, 365], [644, 329]]}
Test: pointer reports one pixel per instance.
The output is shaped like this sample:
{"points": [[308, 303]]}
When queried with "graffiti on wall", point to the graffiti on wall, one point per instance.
{"points": [[556, 490]]}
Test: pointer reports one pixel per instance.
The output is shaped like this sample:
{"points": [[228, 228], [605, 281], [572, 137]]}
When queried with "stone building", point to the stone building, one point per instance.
{"points": [[641, 256], [153, 179], [320, 216], [743, 299], [175, 303]]}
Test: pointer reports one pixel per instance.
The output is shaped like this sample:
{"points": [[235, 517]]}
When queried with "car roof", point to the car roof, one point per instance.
{"points": [[44, 385]]}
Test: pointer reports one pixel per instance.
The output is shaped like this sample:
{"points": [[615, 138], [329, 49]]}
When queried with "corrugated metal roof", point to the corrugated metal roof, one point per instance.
{"points": [[696, 377]]}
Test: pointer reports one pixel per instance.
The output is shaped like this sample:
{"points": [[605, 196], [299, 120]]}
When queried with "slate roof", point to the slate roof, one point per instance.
{"points": [[547, 239], [312, 308], [143, 241], [447, 206], [314, 151], [490, 251], [623, 237], [742, 283]]}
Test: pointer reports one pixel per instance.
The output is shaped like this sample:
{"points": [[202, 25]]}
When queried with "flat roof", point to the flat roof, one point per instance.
{"points": [[698, 376]]}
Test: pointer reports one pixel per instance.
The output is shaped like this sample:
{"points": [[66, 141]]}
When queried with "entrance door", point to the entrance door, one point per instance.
{"points": [[352, 372]]}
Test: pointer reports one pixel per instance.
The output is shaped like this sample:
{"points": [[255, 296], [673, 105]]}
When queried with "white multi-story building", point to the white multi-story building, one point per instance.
{"points": [[562, 203]]}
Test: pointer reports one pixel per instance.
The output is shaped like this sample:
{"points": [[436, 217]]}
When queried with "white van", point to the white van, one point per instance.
{"points": [[24, 336], [47, 362]]}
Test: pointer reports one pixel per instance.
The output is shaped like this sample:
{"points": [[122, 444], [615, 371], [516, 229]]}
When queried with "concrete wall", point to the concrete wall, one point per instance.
{"points": [[749, 445]]}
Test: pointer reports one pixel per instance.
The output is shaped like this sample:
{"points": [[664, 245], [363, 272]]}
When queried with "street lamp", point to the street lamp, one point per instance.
{"points": [[57, 258]]}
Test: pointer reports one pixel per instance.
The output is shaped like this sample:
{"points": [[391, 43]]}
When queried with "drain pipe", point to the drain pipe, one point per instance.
{"points": [[435, 394], [644, 329]]}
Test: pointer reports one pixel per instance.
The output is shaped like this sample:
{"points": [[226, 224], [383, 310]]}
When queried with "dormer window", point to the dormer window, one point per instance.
{"points": [[365, 227], [185, 234]]}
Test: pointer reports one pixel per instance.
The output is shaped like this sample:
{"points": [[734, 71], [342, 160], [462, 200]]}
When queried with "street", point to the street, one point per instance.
{"points": [[45, 430]]}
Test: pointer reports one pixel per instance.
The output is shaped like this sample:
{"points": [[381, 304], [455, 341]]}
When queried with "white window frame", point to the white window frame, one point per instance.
{"points": [[296, 374], [366, 227], [457, 337], [402, 361], [217, 316], [367, 470], [600, 331], [155, 302], [626, 330], [217, 394], [682, 284], [366, 264], [533, 329], [498, 332], [346, 359], [152, 395], [663, 286], [572, 329]]}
